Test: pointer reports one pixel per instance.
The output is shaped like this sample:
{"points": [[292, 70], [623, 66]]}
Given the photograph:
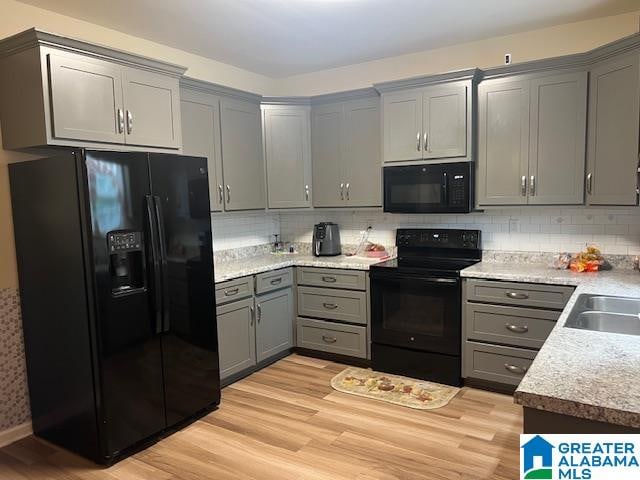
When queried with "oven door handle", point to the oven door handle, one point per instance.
{"points": [[433, 280]]}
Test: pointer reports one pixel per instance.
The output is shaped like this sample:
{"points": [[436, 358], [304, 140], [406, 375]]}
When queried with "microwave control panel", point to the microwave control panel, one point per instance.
{"points": [[458, 189]]}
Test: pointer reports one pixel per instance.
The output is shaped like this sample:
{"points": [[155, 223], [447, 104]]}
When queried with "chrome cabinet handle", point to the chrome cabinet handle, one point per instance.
{"points": [[220, 194], [342, 191], [120, 121], [515, 369], [523, 185], [589, 183], [259, 312], [129, 121], [276, 281], [426, 142], [231, 293], [532, 185], [306, 192], [253, 315], [329, 339], [418, 139], [517, 328], [330, 306], [348, 185], [228, 194], [329, 279], [517, 295]]}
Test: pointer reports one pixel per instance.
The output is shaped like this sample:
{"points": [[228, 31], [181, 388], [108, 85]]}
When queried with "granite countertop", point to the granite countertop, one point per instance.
{"points": [[231, 269], [586, 374]]}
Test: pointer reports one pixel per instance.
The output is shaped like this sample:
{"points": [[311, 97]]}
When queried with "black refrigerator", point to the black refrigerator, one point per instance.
{"points": [[115, 263]]}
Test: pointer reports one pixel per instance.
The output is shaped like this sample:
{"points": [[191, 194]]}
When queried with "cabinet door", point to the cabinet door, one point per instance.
{"points": [[558, 139], [274, 323], [236, 337], [152, 109], [326, 155], [242, 159], [86, 99], [612, 149], [361, 164], [402, 126], [503, 143], [287, 157], [445, 122], [200, 116]]}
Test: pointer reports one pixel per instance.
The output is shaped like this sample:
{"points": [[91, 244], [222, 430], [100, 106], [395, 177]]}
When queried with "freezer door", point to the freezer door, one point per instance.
{"points": [[189, 343], [127, 330]]}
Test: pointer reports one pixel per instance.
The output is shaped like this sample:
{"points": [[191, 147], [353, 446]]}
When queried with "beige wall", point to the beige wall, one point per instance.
{"points": [[533, 45], [565, 39]]}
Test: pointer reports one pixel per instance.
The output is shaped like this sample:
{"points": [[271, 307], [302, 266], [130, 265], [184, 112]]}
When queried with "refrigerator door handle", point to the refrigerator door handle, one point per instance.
{"points": [[155, 263], [164, 271]]}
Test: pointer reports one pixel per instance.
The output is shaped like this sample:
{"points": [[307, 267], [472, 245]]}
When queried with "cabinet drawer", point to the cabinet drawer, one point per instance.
{"points": [[343, 305], [524, 327], [234, 290], [524, 294], [505, 365], [270, 281], [332, 337], [331, 278]]}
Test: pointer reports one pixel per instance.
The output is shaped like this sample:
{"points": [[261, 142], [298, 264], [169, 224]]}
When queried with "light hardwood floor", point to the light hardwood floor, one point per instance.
{"points": [[285, 422]]}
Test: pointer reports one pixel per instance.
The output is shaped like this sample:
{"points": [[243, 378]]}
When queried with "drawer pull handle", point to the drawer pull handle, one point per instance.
{"points": [[276, 281], [515, 369], [517, 295], [329, 279], [329, 339], [230, 293], [517, 328], [330, 306]]}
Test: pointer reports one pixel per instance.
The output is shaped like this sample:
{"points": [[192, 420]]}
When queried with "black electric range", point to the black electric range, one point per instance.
{"points": [[416, 319]]}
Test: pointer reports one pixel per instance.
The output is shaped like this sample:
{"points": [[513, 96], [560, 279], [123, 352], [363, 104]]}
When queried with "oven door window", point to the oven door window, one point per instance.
{"points": [[406, 190], [417, 313]]}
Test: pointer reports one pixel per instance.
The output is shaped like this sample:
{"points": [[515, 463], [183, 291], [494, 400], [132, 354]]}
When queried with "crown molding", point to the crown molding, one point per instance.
{"points": [[469, 74], [217, 89], [293, 101], [37, 38]]}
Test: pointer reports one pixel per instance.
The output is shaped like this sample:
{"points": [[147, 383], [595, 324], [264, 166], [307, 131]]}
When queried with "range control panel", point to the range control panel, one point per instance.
{"points": [[441, 238], [124, 241]]}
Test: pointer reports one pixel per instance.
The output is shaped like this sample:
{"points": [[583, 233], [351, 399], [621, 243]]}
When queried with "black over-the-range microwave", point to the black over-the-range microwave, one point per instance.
{"points": [[429, 188]]}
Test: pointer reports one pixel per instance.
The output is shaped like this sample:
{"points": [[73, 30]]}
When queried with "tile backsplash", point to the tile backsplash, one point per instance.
{"points": [[243, 229], [531, 229]]}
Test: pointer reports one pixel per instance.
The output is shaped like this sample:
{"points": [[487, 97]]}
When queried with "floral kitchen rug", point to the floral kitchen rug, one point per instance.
{"points": [[403, 391]]}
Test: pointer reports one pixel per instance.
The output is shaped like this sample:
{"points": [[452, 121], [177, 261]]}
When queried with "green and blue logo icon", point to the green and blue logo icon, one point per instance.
{"points": [[537, 459]]}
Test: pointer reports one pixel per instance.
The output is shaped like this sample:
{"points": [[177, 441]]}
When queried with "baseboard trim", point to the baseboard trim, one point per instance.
{"points": [[16, 433]]}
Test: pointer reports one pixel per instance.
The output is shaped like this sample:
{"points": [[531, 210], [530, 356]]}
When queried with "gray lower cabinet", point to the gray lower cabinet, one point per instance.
{"points": [[236, 337], [242, 153], [531, 140], [274, 327], [345, 154], [200, 115], [614, 122], [287, 155], [504, 325]]}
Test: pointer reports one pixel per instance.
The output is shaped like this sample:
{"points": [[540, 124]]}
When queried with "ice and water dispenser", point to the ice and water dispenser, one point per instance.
{"points": [[126, 265]]}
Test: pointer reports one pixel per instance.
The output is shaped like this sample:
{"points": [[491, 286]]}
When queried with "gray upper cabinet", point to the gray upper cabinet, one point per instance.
{"points": [[152, 109], [557, 143], [200, 116], [345, 140], [402, 126], [531, 145], [65, 92], [433, 122], [614, 115], [287, 155], [274, 323], [326, 155], [503, 142], [97, 87], [243, 165], [236, 337]]}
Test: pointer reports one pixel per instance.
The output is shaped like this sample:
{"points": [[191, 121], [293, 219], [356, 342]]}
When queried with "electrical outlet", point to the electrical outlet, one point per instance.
{"points": [[514, 225], [507, 59]]}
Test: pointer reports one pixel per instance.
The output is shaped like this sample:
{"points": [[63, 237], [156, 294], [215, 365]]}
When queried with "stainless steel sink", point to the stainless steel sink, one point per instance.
{"points": [[606, 314]]}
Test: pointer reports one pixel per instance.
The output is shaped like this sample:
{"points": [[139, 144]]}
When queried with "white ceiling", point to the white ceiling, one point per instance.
{"points": [[280, 38]]}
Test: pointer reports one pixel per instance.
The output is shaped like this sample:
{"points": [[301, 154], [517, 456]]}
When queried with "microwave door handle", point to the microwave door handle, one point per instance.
{"points": [[445, 189]]}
